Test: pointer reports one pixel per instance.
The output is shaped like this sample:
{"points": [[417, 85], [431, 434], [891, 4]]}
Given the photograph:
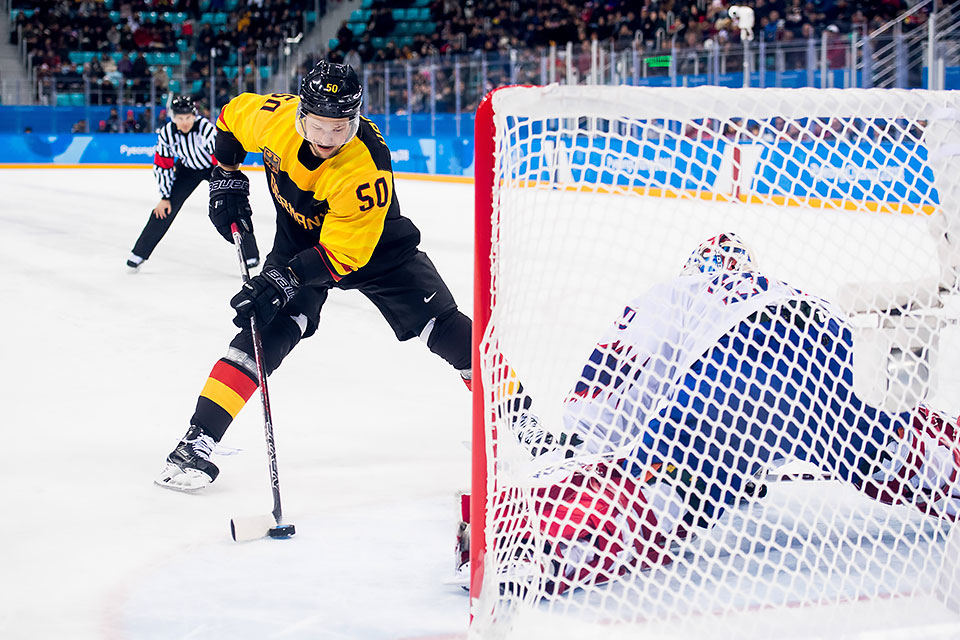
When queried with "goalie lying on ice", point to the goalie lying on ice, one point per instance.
{"points": [[700, 385]]}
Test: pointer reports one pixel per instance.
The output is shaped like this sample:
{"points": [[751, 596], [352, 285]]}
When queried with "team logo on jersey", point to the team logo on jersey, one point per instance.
{"points": [[271, 160]]}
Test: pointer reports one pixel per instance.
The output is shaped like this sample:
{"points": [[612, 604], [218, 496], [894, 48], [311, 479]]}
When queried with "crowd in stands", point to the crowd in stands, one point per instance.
{"points": [[129, 51], [99, 46], [466, 26]]}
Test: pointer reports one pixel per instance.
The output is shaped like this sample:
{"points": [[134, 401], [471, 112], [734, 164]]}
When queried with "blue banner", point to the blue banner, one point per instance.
{"points": [[865, 170], [826, 169], [441, 156]]}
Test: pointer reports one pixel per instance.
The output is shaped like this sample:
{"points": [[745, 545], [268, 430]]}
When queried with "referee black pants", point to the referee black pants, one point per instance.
{"points": [[185, 182]]}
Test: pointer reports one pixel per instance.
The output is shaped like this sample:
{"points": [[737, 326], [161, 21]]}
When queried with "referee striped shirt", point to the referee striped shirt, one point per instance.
{"points": [[193, 149]]}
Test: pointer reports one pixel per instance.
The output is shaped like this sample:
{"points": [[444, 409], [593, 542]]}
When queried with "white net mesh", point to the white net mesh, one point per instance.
{"points": [[645, 428]]}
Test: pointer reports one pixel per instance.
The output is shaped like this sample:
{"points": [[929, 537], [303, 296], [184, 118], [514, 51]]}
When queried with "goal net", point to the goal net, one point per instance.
{"points": [[708, 473]]}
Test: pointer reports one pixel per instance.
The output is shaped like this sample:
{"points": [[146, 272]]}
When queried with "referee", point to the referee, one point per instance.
{"points": [[183, 159]]}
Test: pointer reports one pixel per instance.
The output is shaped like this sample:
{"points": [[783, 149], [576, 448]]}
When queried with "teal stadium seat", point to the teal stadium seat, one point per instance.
{"points": [[220, 18], [175, 86], [366, 4], [265, 71], [230, 72], [81, 57], [357, 28], [63, 99], [175, 17], [114, 16], [196, 87], [231, 5], [183, 45], [378, 43], [333, 43], [77, 100]]}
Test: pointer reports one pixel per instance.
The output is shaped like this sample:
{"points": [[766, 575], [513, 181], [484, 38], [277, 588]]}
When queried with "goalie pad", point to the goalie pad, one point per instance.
{"points": [[920, 467]]}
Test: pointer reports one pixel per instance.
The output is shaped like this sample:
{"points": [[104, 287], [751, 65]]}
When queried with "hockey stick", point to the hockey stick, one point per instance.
{"points": [[251, 528]]}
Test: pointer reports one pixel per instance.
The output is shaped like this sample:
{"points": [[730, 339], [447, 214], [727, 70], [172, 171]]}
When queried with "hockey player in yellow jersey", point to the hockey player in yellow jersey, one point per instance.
{"points": [[338, 225]]}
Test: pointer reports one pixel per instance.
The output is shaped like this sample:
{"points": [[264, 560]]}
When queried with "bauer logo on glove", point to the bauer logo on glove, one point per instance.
{"points": [[264, 295]]}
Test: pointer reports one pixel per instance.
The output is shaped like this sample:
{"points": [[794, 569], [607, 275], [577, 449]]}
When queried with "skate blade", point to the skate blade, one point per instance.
{"points": [[184, 480]]}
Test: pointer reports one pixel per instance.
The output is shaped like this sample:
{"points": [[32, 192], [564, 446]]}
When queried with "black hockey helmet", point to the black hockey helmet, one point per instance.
{"points": [[331, 90], [183, 104]]}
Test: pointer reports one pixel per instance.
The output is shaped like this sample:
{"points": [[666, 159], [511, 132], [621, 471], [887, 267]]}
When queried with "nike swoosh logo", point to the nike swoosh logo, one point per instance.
{"points": [[430, 297]]}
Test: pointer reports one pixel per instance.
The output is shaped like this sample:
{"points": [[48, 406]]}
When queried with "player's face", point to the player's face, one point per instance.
{"points": [[325, 135], [184, 121]]}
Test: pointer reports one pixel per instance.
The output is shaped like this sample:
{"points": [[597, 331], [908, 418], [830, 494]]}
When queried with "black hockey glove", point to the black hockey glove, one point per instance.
{"points": [[264, 295], [230, 202]]}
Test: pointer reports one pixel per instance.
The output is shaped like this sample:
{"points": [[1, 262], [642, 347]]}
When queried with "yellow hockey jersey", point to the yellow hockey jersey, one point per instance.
{"points": [[341, 214]]}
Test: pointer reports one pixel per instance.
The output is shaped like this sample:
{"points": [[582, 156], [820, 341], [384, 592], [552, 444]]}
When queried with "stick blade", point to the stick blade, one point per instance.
{"points": [[282, 531], [251, 528]]}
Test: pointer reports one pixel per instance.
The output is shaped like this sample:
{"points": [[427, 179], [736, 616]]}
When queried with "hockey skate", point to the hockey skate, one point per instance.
{"points": [[919, 467], [188, 466], [134, 262]]}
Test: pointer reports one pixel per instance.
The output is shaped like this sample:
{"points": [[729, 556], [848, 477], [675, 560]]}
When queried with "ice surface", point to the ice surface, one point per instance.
{"points": [[100, 374]]}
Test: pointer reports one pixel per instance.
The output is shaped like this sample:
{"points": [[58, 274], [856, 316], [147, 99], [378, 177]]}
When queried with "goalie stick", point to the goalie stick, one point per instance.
{"points": [[251, 528]]}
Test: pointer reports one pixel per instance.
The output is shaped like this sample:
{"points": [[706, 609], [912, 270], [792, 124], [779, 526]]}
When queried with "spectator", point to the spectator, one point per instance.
{"points": [[353, 59], [139, 67], [113, 121], [131, 124], [161, 79], [80, 126], [145, 121], [125, 66]]}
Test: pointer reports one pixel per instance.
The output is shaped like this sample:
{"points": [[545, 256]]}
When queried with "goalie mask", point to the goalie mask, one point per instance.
{"points": [[723, 252]]}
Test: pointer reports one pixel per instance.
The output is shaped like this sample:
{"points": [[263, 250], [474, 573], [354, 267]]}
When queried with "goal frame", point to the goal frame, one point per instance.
{"points": [[485, 201], [483, 172]]}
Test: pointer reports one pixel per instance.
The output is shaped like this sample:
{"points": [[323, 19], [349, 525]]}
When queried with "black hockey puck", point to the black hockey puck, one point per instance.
{"points": [[282, 531]]}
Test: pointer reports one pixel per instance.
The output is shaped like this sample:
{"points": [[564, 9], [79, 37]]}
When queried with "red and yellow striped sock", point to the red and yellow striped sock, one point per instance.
{"points": [[223, 396]]}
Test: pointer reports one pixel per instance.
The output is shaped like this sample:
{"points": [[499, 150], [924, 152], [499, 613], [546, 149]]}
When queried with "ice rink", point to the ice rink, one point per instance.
{"points": [[100, 373]]}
